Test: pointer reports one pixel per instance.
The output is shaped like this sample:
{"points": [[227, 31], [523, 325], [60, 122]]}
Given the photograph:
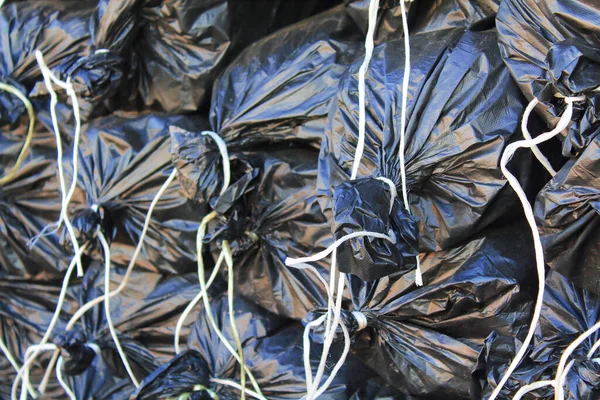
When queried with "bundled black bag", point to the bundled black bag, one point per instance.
{"points": [[426, 341], [454, 141], [184, 45], [85, 41], [272, 351], [552, 48], [567, 312], [123, 162]]}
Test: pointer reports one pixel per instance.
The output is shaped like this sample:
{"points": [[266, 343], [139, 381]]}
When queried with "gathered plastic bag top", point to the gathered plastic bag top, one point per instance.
{"points": [[268, 212], [184, 45], [272, 351], [426, 341], [567, 312], [81, 40], [552, 48], [143, 315], [454, 141], [567, 212], [123, 162]]}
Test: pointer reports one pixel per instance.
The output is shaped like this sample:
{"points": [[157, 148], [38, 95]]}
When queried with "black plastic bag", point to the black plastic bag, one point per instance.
{"points": [[567, 312], [28, 203], [272, 351], [143, 315], [123, 162], [85, 41], [567, 211], [454, 140], [184, 45], [26, 308], [425, 341], [553, 48]]}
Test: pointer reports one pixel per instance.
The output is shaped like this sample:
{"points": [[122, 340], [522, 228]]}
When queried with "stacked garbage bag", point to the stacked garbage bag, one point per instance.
{"points": [[344, 200]]}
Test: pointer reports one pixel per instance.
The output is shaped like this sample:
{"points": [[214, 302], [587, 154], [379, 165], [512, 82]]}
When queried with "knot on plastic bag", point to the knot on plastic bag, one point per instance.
{"points": [[96, 77], [186, 373], [198, 162], [75, 351], [11, 108], [86, 222], [364, 205], [354, 321]]}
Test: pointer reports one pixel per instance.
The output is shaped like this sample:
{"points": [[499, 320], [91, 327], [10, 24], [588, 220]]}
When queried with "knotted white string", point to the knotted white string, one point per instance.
{"points": [[50, 78], [510, 150]]}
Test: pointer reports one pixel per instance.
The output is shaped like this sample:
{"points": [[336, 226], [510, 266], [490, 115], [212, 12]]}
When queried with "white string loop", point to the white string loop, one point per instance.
{"points": [[510, 150]]}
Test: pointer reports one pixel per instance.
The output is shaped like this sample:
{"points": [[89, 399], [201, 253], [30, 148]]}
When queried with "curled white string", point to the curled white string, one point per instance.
{"points": [[510, 150], [61, 380], [535, 149]]}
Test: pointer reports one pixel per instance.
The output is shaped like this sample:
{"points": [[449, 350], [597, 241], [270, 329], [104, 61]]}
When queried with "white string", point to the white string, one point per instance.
{"points": [[194, 302], [109, 322], [373, 6], [55, 317], [531, 387], [394, 192], [528, 211], [61, 380], [26, 381], [49, 78], [536, 151], [224, 156], [290, 262]]}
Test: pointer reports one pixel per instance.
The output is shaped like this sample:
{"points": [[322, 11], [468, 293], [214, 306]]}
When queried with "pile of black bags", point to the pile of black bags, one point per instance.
{"points": [[163, 162]]}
